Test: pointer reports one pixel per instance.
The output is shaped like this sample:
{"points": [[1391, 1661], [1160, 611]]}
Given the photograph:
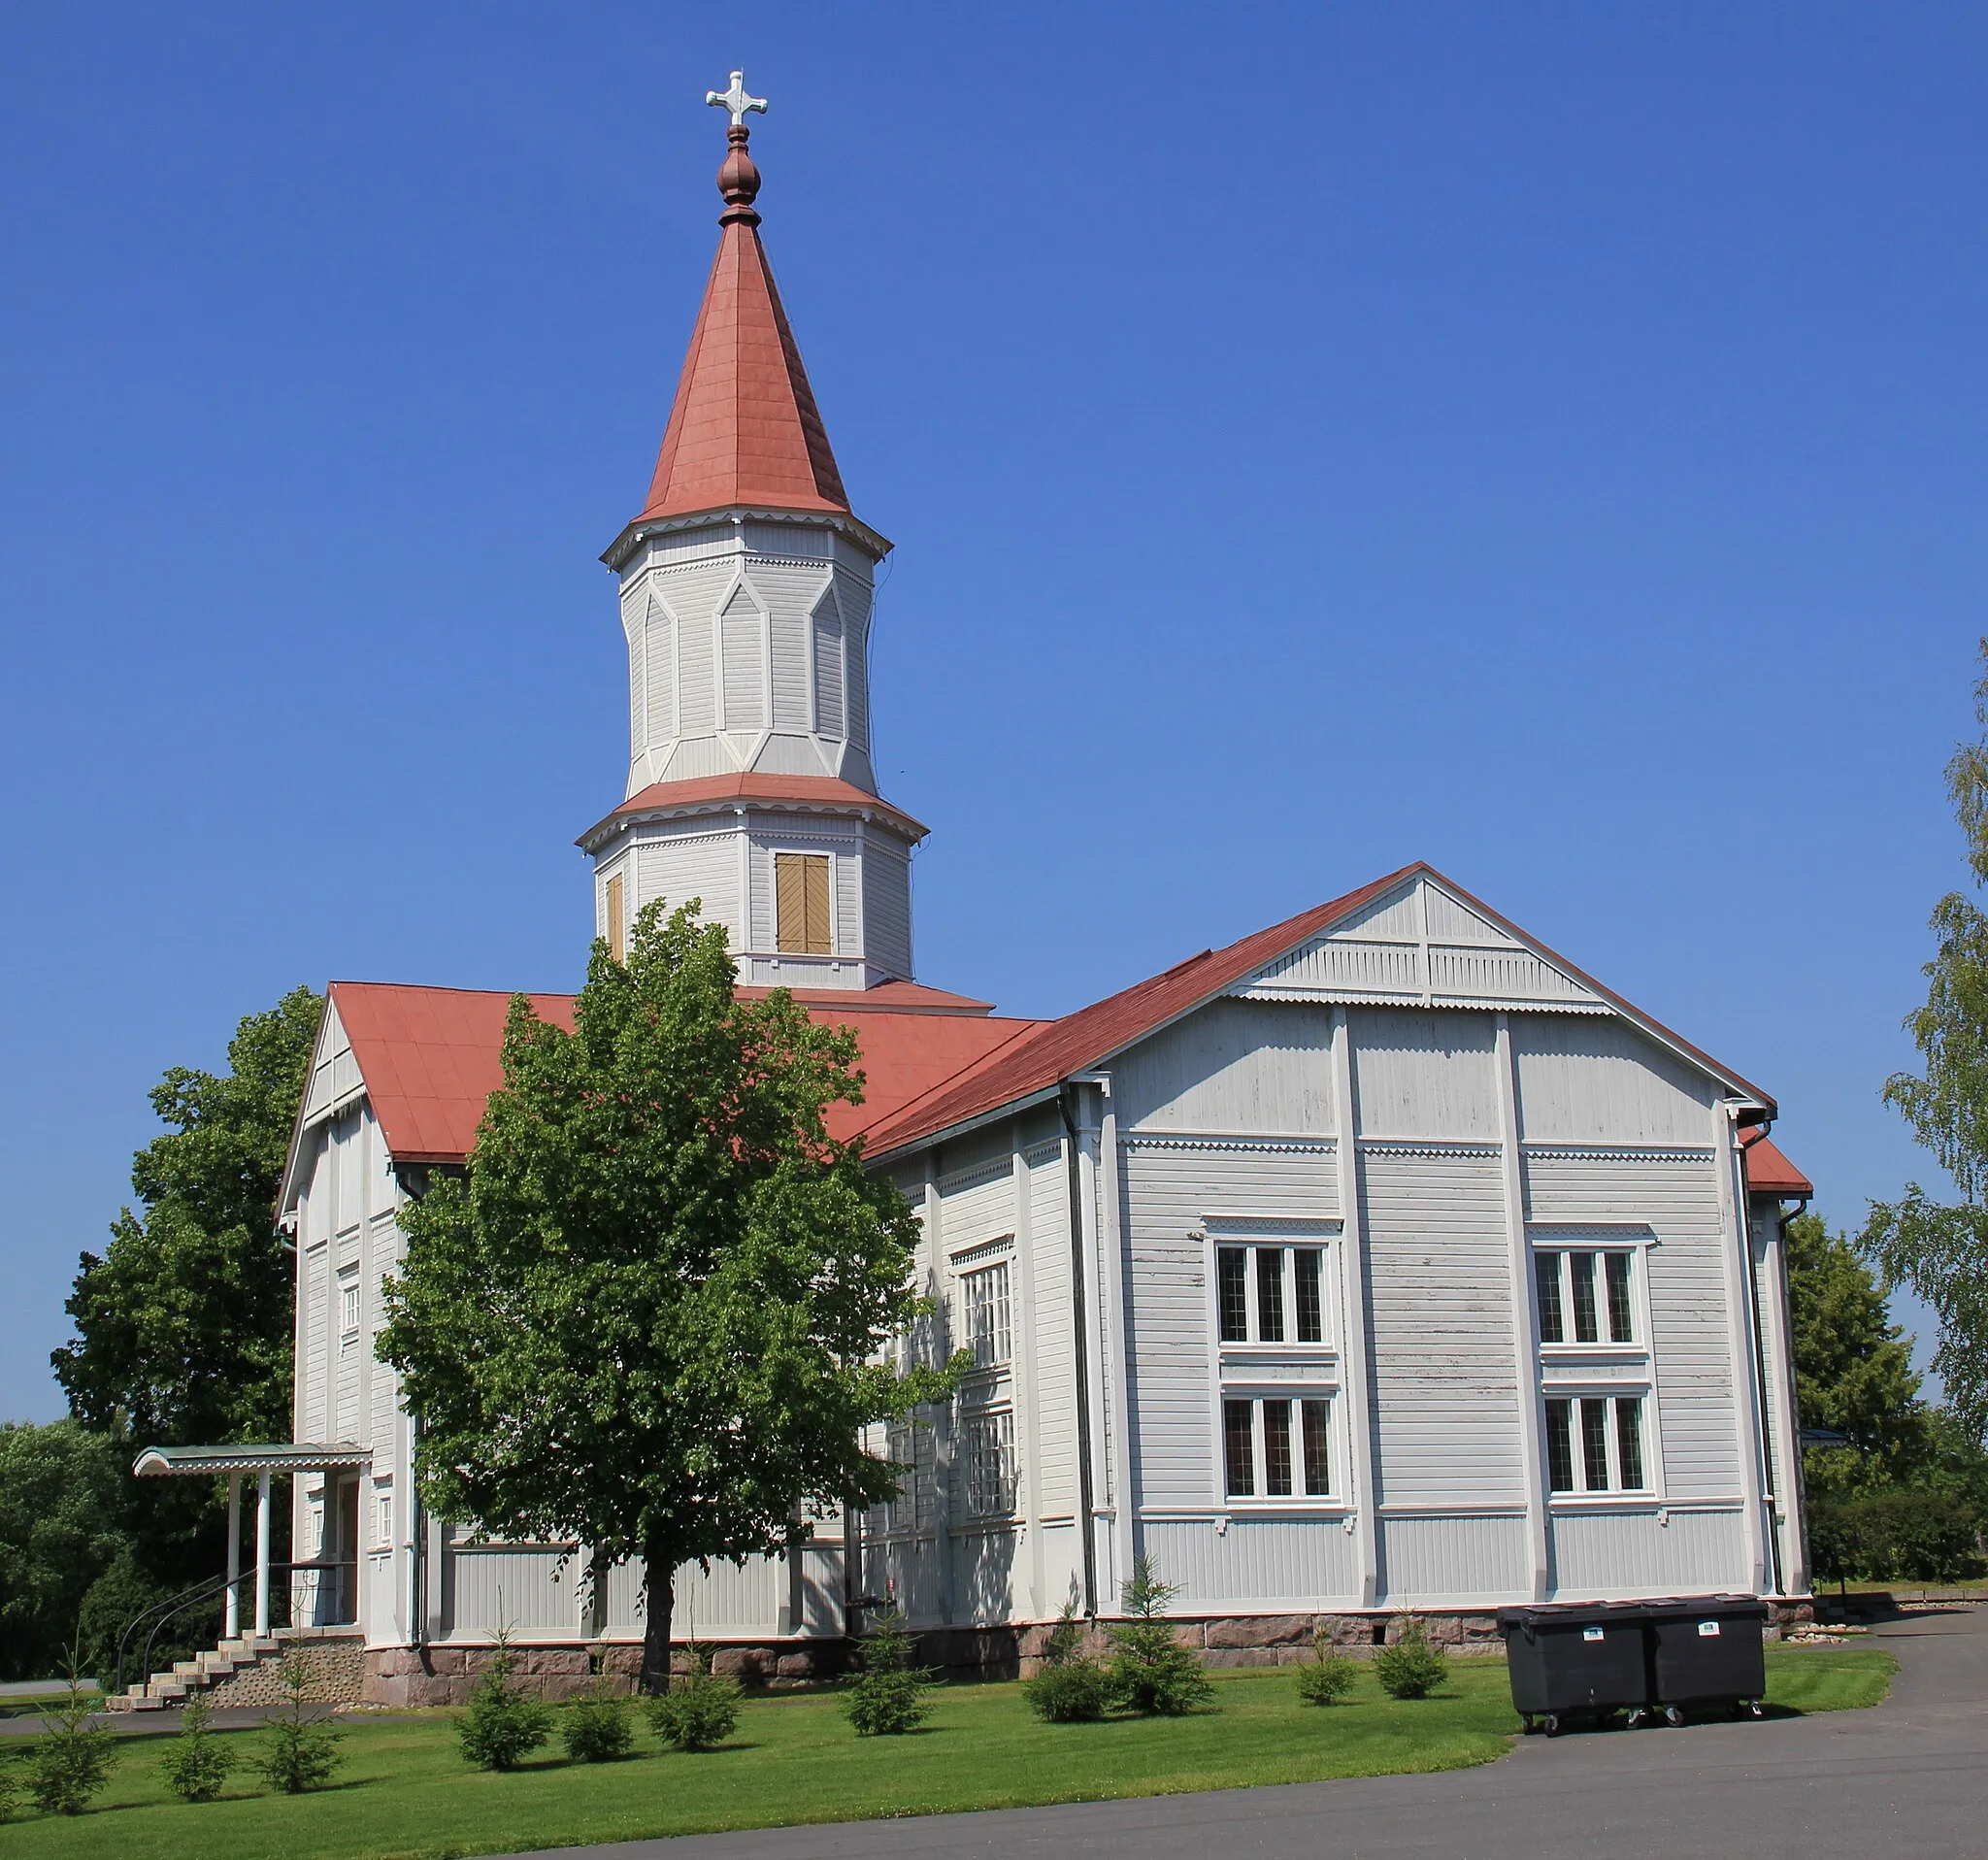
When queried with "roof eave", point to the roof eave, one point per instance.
{"points": [[618, 553], [625, 816]]}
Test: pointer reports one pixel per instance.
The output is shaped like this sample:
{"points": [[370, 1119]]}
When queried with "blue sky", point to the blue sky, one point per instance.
{"points": [[1548, 440]]}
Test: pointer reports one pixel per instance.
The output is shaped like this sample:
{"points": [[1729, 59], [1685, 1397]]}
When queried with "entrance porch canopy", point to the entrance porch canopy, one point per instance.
{"points": [[264, 1461]]}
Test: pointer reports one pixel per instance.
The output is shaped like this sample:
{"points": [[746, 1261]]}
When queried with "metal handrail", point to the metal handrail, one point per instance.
{"points": [[204, 1591]]}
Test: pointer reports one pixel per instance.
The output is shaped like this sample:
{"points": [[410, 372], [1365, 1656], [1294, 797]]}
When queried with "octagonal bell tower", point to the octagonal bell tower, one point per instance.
{"points": [[746, 586]]}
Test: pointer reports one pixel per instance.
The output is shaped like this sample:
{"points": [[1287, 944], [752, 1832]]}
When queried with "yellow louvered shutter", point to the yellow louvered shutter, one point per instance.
{"points": [[800, 903], [617, 920]]}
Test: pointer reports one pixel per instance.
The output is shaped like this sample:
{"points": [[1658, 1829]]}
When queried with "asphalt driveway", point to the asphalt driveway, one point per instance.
{"points": [[1906, 1779]]}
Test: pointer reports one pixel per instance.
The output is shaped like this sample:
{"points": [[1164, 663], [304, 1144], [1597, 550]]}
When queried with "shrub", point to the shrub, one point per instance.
{"points": [[1151, 1673], [504, 1723], [699, 1712], [1073, 1692], [301, 1754], [887, 1698], [197, 1763], [596, 1728], [1327, 1676], [70, 1762], [1898, 1534], [1411, 1668]]}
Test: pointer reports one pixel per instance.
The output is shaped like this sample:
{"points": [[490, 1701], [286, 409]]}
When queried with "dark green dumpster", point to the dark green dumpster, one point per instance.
{"points": [[1568, 1658], [1706, 1650]]}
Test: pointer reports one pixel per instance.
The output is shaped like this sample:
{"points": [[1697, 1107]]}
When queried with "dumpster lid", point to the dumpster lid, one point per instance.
{"points": [[1730, 1607], [1550, 1614]]}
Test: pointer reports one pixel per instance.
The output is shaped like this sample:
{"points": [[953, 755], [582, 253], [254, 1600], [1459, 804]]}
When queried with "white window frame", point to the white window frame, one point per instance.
{"points": [[1252, 1249], [1255, 1370], [351, 1306], [999, 1423], [1562, 1252], [382, 1514], [1262, 1497], [1582, 1493], [967, 1283]]}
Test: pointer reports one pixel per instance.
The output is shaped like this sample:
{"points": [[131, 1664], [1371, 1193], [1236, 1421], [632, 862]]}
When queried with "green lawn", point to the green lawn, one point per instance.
{"points": [[405, 1791]]}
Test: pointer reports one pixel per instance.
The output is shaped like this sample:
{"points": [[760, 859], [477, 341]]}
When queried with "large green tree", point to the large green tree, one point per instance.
{"points": [[1940, 1250], [183, 1323], [64, 1502], [1853, 1367], [651, 1315]]}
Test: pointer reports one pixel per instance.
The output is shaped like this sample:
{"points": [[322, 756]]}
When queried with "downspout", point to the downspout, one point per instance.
{"points": [[1801, 1513], [1080, 1331], [1761, 1419]]}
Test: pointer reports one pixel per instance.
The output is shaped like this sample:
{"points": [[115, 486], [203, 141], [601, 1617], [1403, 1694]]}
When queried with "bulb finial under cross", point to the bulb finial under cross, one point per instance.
{"points": [[736, 100]]}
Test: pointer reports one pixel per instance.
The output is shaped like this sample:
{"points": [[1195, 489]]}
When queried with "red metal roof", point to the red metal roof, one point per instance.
{"points": [[1084, 1039], [431, 1057], [745, 428], [791, 790], [1769, 1172]]}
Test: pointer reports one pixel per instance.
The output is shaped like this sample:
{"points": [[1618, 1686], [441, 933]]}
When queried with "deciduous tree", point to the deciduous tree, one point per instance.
{"points": [[650, 1318], [1940, 1250]]}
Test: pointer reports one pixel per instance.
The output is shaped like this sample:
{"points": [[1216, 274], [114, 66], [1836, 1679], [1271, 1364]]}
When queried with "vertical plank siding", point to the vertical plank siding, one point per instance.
{"points": [[1477, 1561]]}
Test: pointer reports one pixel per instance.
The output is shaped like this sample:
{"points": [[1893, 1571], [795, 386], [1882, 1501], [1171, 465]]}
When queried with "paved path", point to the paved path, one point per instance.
{"points": [[1904, 1781], [156, 1724]]}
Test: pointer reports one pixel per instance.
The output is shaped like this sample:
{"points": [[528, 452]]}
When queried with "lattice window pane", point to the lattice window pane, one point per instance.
{"points": [[1586, 1327], [1629, 1442], [1318, 1417], [990, 1464], [1560, 1445], [1239, 1449], [1277, 1449], [1309, 1265], [1270, 1294], [1552, 1315], [1232, 1293], [1594, 1445], [1620, 1328], [986, 1311]]}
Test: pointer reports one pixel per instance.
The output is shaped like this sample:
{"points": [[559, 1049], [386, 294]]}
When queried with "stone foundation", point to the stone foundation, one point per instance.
{"points": [[335, 1664], [443, 1674]]}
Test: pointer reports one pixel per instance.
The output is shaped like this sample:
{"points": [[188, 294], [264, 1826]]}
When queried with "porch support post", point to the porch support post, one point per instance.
{"points": [[231, 1611], [261, 1554]]}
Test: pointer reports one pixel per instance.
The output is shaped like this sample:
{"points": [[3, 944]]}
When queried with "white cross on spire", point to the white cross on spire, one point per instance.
{"points": [[736, 100]]}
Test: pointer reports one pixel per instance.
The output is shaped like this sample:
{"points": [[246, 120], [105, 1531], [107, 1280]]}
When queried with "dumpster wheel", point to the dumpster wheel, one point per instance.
{"points": [[1753, 1707], [1552, 1724], [1673, 1716], [1638, 1715]]}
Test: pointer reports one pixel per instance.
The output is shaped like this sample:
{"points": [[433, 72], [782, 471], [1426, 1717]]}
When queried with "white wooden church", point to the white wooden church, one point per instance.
{"points": [[1380, 1261]]}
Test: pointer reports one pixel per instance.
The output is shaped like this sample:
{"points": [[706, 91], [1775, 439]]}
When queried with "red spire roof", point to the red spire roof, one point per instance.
{"points": [[745, 428]]}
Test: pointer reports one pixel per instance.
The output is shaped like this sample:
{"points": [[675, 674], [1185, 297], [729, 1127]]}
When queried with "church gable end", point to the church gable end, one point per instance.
{"points": [[1422, 947]]}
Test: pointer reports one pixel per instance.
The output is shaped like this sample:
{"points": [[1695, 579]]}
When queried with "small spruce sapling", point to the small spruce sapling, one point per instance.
{"points": [[701, 1709], [72, 1760], [1072, 1687], [1411, 1668], [596, 1727], [504, 1723], [300, 1753], [1327, 1676], [197, 1763], [887, 1698], [1151, 1673]]}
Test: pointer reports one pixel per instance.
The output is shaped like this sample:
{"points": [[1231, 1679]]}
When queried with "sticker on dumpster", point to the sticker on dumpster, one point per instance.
{"points": [[1708, 1629], [1591, 1634]]}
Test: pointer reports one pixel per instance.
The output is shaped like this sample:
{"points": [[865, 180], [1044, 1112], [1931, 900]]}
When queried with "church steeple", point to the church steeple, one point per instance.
{"points": [[745, 428], [746, 586]]}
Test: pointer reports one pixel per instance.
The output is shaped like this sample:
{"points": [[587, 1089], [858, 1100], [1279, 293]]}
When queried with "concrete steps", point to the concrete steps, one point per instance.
{"points": [[205, 1670]]}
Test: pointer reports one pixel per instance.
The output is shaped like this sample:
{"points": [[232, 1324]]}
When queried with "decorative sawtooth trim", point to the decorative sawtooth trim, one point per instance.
{"points": [[1045, 1153], [1426, 1146], [1000, 1168], [1312, 1146], [979, 1249], [1224, 1223], [1357, 998], [1617, 1152]]}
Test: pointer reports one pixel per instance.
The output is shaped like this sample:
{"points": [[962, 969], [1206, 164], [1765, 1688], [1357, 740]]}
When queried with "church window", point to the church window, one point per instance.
{"points": [[1586, 1297], [1594, 1445], [989, 1442], [985, 1314], [618, 918], [1278, 1447], [1270, 1294], [800, 903]]}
